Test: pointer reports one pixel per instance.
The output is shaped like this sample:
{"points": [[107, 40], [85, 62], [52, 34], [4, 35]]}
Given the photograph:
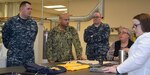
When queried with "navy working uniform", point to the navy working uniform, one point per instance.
{"points": [[59, 44], [18, 36], [97, 39]]}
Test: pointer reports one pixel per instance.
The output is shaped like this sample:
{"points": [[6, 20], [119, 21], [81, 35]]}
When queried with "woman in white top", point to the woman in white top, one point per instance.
{"points": [[138, 61]]}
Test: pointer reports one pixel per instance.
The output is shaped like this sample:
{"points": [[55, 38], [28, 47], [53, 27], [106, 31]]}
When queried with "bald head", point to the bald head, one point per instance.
{"points": [[64, 19], [63, 15]]}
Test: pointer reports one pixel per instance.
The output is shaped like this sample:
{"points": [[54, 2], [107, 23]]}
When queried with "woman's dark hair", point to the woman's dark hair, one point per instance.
{"points": [[144, 21]]}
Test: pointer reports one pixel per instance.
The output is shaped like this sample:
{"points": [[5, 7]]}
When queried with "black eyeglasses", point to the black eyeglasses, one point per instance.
{"points": [[96, 17], [123, 33], [135, 26]]}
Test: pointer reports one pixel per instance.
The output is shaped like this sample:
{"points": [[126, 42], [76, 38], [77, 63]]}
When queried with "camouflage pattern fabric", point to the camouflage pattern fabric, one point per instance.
{"points": [[59, 44], [18, 36], [97, 39]]}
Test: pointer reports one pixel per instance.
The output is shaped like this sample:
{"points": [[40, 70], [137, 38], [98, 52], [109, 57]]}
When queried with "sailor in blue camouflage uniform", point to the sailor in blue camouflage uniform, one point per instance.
{"points": [[18, 35], [60, 40], [97, 38]]}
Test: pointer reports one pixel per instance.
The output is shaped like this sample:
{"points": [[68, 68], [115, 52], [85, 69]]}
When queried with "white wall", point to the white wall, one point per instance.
{"points": [[121, 12]]}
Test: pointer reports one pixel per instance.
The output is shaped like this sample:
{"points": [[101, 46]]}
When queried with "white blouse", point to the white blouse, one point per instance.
{"points": [[138, 61]]}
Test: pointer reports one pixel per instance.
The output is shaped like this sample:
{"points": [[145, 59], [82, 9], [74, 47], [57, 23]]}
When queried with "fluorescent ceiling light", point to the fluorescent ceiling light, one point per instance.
{"points": [[61, 9], [55, 6]]}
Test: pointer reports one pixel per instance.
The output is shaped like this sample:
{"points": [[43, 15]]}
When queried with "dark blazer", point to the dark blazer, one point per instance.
{"points": [[118, 47]]}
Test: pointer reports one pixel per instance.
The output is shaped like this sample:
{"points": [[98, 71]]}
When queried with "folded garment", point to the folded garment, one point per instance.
{"points": [[35, 68], [73, 66]]}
